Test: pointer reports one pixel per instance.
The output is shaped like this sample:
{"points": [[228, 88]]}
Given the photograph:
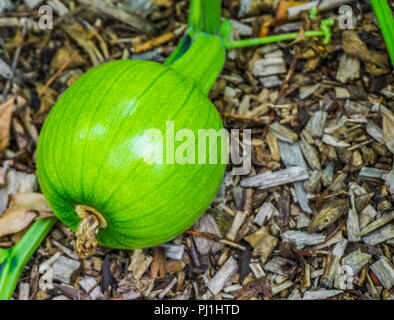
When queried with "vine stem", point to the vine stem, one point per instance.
{"points": [[270, 39], [325, 31], [203, 69], [204, 16], [201, 54], [14, 259]]}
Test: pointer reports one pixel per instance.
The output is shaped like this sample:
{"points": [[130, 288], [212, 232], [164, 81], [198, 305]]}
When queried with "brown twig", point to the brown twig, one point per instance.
{"points": [[57, 73], [289, 73]]}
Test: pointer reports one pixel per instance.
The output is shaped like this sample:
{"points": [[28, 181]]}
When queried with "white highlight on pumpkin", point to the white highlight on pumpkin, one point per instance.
{"points": [[180, 147], [149, 146]]}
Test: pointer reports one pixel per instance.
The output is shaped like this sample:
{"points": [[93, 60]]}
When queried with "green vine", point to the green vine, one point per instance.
{"points": [[13, 260], [386, 23], [325, 32]]}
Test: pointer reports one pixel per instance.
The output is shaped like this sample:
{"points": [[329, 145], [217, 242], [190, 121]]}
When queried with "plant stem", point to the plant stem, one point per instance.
{"points": [[204, 15], [386, 24], [195, 14], [203, 61], [211, 13], [325, 31], [16, 257], [201, 54], [270, 39]]}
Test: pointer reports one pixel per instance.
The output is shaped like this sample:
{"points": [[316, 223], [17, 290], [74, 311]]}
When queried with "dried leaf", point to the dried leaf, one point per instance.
{"points": [[29, 201], [5, 122], [13, 221], [355, 47]]}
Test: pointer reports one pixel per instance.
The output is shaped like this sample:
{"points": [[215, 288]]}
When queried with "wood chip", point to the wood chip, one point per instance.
{"points": [[139, 263], [380, 235], [20, 182], [263, 243], [237, 222], [2, 177], [317, 123], [174, 251], [377, 224], [374, 131], [352, 222], [168, 288], [356, 260], [272, 142], [330, 140], [133, 20], [265, 213], [294, 12], [320, 294], [366, 216], [258, 272], [302, 239], [24, 291], [337, 254], [291, 155], [384, 271], [283, 133], [269, 66], [29, 201], [217, 283], [283, 286], [280, 265], [310, 154], [65, 270], [207, 224], [6, 110], [349, 69], [271, 179], [328, 214], [5, 71]]}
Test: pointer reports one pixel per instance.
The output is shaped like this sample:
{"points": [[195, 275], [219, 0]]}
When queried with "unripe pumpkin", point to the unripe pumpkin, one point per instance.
{"points": [[94, 156]]}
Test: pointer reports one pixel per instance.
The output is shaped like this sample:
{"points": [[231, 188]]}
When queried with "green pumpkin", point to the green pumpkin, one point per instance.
{"points": [[94, 152]]}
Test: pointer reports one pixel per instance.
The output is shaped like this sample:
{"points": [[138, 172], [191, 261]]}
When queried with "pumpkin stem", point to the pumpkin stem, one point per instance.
{"points": [[91, 222], [203, 61]]}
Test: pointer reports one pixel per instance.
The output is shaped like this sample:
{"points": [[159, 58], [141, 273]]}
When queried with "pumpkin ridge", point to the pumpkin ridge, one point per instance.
{"points": [[173, 174], [105, 202], [72, 140], [44, 130], [122, 73], [176, 197], [105, 157], [51, 185], [137, 218], [47, 179], [53, 138], [140, 241]]}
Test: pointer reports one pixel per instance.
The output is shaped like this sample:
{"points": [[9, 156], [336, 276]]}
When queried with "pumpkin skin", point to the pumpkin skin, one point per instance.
{"points": [[92, 151]]}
